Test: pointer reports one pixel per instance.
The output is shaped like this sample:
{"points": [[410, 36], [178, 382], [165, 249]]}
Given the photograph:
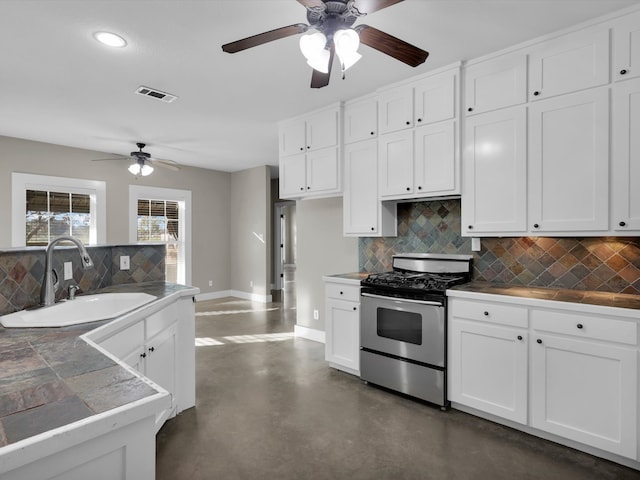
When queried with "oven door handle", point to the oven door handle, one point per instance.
{"points": [[405, 300]]}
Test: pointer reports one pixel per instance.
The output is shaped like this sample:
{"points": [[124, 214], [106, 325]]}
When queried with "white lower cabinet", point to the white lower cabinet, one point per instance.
{"points": [[342, 325], [161, 347], [566, 369], [489, 369]]}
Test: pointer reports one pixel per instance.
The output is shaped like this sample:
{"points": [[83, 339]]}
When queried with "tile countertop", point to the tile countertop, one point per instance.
{"points": [[603, 299], [50, 377]]}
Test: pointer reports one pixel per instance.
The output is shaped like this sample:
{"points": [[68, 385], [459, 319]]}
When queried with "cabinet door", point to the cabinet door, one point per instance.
{"points": [[626, 156], [292, 137], [395, 110], [495, 166], [323, 171], [360, 120], [293, 176], [361, 205], [322, 129], [494, 84], [569, 163], [585, 391], [160, 366], [396, 164], [626, 47], [573, 62], [434, 99], [342, 346], [489, 369], [435, 159]]}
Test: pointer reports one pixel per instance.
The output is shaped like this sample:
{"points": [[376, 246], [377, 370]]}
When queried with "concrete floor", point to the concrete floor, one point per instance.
{"points": [[269, 407]]}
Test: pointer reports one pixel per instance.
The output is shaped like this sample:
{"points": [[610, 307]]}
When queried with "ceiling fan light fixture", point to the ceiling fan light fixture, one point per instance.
{"points": [[140, 168], [347, 42]]}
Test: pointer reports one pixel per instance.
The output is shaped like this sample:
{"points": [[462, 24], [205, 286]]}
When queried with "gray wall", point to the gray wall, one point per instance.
{"points": [[321, 250], [211, 197], [251, 231]]}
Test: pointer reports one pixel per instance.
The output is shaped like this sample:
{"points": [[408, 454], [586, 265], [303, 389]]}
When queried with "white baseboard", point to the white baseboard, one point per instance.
{"points": [[309, 333], [254, 297]]}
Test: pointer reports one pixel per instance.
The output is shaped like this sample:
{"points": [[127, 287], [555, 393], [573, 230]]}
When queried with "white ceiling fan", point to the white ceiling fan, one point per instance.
{"points": [[143, 163]]}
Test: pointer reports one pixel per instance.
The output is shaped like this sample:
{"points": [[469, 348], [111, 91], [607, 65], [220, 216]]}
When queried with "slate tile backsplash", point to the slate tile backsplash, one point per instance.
{"points": [[602, 264], [22, 271]]}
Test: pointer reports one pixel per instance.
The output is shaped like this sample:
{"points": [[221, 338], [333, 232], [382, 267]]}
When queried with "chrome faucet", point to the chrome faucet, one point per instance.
{"points": [[47, 293]]}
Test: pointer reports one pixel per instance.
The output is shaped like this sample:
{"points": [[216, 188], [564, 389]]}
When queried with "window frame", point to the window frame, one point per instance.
{"points": [[21, 182], [183, 197]]}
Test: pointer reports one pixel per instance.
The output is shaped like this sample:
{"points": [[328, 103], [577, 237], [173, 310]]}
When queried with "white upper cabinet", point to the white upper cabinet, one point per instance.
{"points": [[396, 164], [626, 156], [292, 137], [569, 163], [395, 109], [360, 120], [310, 154], [363, 212], [435, 99], [626, 47], [435, 153], [569, 63], [420, 158], [496, 83], [428, 100], [322, 129], [495, 173]]}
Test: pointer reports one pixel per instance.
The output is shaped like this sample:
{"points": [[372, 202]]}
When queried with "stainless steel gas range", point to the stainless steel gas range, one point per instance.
{"points": [[403, 333]]}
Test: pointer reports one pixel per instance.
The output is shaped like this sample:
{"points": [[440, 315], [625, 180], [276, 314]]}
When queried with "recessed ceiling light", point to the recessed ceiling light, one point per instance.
{"points": [[110, 39]]}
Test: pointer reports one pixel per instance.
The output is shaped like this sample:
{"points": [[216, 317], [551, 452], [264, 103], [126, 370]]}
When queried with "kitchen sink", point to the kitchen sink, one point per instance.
{"points": [[83, 309]]}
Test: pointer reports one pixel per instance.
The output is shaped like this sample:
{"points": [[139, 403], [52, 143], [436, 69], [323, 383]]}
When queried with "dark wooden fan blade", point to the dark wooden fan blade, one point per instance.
{"points": [[392, 46], [370, 6], [311, 3], [319, 79], [265, 37]]}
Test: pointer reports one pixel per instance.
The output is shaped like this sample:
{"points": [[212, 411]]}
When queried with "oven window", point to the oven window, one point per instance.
{"points": [[398, 325]]}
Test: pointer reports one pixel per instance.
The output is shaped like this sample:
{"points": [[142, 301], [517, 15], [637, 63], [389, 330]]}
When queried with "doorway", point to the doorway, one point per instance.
{"points": [[284, 244]]}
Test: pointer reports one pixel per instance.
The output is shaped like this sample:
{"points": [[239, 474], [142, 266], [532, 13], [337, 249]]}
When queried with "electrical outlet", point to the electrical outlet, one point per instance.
{"points": [[316, 315], [124, 262], [211, 283], [475, 244], [68, 270]]}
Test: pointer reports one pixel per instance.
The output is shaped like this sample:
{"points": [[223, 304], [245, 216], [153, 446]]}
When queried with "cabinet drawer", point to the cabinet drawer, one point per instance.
{"points": [[125, 341], [489, 312], [343, 292], [585, 326]]}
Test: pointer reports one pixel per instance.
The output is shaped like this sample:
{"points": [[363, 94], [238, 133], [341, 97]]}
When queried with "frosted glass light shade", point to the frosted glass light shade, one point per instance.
{"points": [[347, 43], [312, 47]]}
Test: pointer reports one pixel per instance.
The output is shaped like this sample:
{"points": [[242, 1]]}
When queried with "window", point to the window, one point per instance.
{"points": [[163, 215], [51, 214], [45, 207]]}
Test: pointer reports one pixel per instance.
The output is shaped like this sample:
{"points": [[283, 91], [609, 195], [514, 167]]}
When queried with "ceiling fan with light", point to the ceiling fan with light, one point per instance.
{"points": [[143, 163], [332, 21]]}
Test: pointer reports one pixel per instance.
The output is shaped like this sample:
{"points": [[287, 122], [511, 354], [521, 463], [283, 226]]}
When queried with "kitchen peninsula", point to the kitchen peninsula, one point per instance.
{"points": [[72, 404]]}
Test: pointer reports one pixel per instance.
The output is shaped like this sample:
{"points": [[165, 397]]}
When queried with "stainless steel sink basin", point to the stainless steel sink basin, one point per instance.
{"points": [[85, 308]]}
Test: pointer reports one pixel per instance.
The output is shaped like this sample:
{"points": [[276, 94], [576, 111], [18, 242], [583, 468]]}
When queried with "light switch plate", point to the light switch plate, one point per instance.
{"points": [[124, 262], [68, 270]]}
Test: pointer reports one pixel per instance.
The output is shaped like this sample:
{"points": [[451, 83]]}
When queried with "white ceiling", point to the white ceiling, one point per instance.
{"points": [[58, 85]]}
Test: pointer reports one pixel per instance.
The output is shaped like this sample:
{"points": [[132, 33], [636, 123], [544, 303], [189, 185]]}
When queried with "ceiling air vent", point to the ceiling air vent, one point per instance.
{"points": [[152, 92]]}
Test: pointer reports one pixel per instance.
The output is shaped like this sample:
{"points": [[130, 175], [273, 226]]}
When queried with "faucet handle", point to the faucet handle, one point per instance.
{"points": [[73, 289]]}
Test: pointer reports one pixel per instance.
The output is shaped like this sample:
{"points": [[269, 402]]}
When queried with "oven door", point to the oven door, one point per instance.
{"points": [[410, 329]]}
